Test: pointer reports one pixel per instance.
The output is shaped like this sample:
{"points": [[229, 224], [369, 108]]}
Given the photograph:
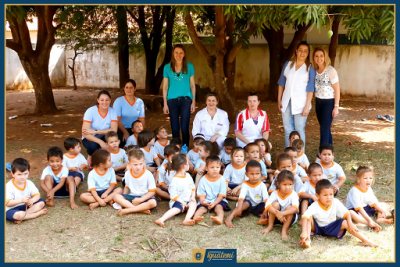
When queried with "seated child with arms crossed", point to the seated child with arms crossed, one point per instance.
{"points": [[101, 181], [23, 200], [212, 192], [283, 204], [321, 217], [193, 154], [307, 192], [302, 159], [264, 146], [253, 153], [75, 162], [362, 202], [53, 179], [140, 184], [332, 171], [292, 152], [253, 196], [284, 162], [182, 192], [161, 141], [119, 158], [137, 127], [164, 174], [206, 149], [235, 173], [146, 141], [225, 154]]}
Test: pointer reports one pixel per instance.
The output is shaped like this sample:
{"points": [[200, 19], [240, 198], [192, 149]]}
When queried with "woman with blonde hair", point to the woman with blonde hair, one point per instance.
{"points": [[327, 94]]}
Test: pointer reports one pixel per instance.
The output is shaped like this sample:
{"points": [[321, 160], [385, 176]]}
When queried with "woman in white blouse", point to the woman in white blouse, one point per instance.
{"points": [[327, 94], [211, 121], [296, 88]]}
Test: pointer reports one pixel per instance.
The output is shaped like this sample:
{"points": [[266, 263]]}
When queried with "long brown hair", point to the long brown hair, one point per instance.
{"points": [[184, 62], [294, 57], [327, 60]]}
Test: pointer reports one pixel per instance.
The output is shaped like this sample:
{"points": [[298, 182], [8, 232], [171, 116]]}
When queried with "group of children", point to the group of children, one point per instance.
{"points": [[152, 168]]}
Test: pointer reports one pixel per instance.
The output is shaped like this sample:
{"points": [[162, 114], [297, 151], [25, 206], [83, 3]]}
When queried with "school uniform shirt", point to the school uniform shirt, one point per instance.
{"points": [[101, 181], [247, 126], [291, 199], [263, 168], [268, 157], [297, 84], [159, 147], [199, 161], [299, 171], [193, 156], [140, 185], [358, 199], [297, 185], [325, 216], [118, 158], [129, 112], [181, 187], [165, 177], [62, 174], [203, 123], [97, 121], [333, 173], [75, 161], [149, 155], [308, 187], [225, 157], [131, 140], [14, 192], [302, 158], [234, 174], [254, 193], [211, 189]]}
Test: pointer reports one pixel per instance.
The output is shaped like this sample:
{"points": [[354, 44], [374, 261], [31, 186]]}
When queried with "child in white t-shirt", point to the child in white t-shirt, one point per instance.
{"points": [[137, 127], [332, 171], [235, 173], [302, 159], [119, 158], [146, 141], [193, 154], [225, 154], [165, 173], [161, 141], [292, 152]]}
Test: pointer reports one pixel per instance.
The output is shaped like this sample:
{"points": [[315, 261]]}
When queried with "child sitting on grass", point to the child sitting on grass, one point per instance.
{"points": [[362, 202], [161, 141], [264, 146], [302, 159], [212, 192], [140, 185], [321, 217], [53, 180], [164, 174], [284, 162], [23, 200], [253, 196], [225, 154], [119, 158], [182, 192], [235, 173], [206, 149], [101, 180], [146, 141], [283, 204], [193, 154], [75, 162], [292, 152], [137, 127], [253, 153]]}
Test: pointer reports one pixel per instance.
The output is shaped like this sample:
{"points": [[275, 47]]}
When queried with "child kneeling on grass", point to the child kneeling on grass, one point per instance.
{"points": [[140, 184], [321, 217], [23, 200], [253, 195], [182, 192], [101, 181]]}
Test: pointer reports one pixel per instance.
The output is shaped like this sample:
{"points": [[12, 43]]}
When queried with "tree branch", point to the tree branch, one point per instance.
{"points": [[132, 15], [14, 46], [235, 49]]}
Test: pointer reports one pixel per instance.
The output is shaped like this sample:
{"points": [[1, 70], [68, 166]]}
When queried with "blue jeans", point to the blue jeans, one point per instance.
{"points": [[293, 123], [324, 108], [180, 107]]}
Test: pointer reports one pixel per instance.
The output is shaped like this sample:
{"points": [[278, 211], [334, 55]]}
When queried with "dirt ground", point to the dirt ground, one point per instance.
{"points": [[100, 235]]}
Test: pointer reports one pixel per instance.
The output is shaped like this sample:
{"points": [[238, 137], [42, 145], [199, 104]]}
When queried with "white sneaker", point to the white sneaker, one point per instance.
{"points": [[117, 206]]}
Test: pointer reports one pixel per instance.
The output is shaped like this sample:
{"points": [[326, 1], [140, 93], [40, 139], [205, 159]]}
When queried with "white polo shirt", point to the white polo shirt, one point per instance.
{"points": [[291, 199], [75, 161], [325, 216], [101, 181], [140, 185], [256, 194], [181, 187], [14, 192], [203, 123], [358, 199]]}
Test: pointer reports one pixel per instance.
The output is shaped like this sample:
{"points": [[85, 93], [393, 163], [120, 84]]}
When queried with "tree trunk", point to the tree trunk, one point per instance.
{"points": [[150, 74], [123, 47], [334, 40], [230, 91]]}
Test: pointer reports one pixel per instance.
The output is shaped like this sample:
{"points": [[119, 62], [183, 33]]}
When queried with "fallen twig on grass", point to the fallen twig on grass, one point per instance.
{"points": [[166, 246]]}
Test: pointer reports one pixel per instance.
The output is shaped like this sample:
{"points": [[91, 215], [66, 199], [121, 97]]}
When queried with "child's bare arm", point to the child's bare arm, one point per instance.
{"points": [[14, 202], [202, 201], [219, 199], [340, 183], [107, 192], [289, 210], [72, 169], [122, 167], [55, 189], [97, 198], [33, 199], [158, 162], [239, 209], [305, 195], [126, 191], [267, 161], [139, 200]]}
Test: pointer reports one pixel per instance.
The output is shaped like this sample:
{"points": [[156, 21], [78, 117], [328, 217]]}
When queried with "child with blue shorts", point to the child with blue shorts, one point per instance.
{"points": [[307, 192], [140, 187], [165, 173], [146, 141], [235, 173], [182, 192], [321, 217], [119, 159], [101, 181], [23, 200], [54, 177], [75, 162]]}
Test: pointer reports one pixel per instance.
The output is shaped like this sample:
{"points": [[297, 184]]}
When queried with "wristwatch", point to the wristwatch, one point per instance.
{"points": [[336, 105]]}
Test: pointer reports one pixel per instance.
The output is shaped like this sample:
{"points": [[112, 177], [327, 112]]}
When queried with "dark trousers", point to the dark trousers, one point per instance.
{"points": [[180, 107], [324, 108], [121, 136], [90, 146]]}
